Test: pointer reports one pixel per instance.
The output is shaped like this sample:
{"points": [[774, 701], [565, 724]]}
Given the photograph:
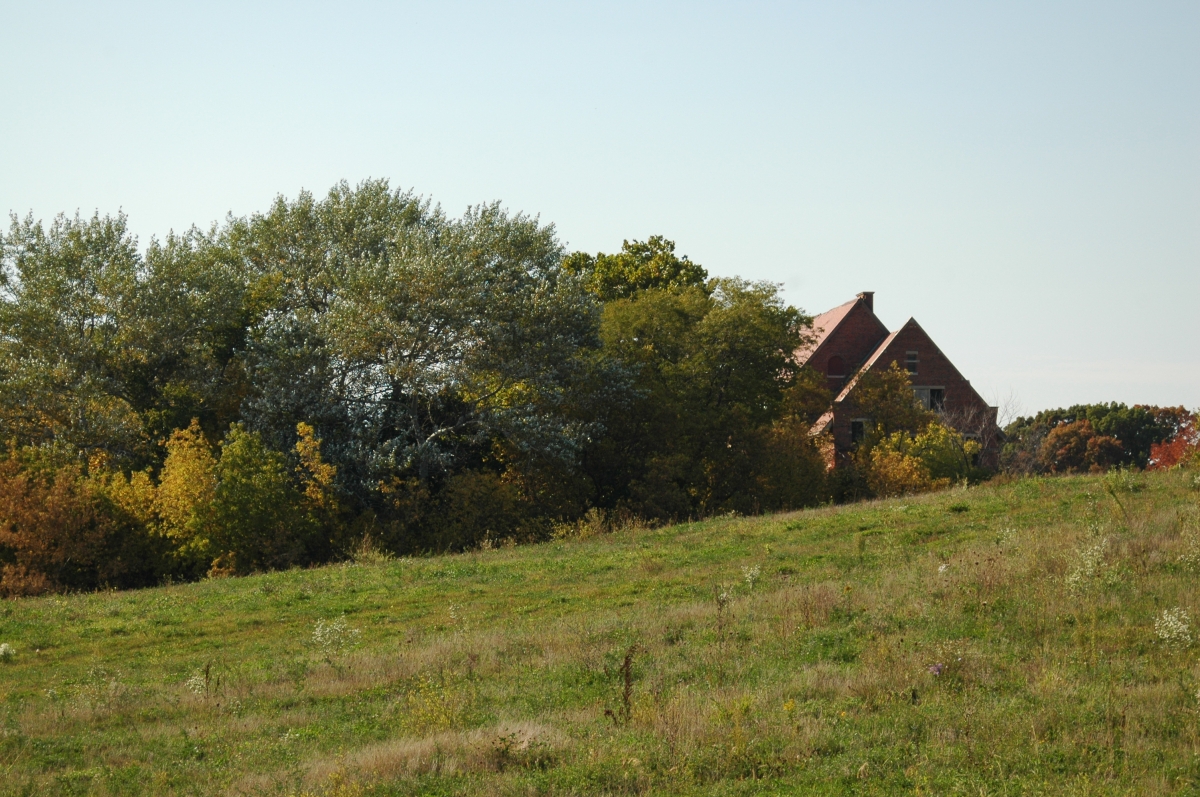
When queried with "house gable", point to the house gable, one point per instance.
{"points": [[937, 383], [845, 338]]}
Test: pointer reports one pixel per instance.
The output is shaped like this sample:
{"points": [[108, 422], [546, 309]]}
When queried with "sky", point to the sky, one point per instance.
{"points": [[1023, 178]]}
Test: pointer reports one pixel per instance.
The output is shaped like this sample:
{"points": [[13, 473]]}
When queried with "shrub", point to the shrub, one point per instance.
{"points": [[893, 472], [475, 505], [899, 463], [63, 530], [946, 453], [183, 502], [256, 519]]}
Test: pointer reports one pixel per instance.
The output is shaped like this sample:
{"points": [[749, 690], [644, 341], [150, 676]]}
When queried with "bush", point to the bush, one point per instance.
{"points": [[892, 473], [256, 521], [930, 460], [64, 531], [183, 502]]}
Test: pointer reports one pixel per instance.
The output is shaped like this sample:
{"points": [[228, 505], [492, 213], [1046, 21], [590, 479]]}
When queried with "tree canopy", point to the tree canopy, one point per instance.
{"points": [[267, 391]]}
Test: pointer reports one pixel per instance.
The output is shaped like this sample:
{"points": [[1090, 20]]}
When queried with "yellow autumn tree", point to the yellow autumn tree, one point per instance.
{"points": [[186, 487], [316, 475]]}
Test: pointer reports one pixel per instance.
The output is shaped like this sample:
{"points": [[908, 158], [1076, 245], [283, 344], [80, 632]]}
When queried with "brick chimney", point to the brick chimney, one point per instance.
{"points": [[868, 298]]}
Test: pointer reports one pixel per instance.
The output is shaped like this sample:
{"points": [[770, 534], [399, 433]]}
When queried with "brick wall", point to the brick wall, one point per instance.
{"points": [[853, 340], [963, 408]]}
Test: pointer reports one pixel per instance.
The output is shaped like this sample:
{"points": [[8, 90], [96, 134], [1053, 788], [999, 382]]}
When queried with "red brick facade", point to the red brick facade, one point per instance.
{"points": [[851, 339], [845, 337]]}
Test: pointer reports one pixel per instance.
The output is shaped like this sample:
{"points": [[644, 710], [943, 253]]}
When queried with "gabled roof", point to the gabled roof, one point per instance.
{"points": [[824, 324], [883, 347], [879, 350]]}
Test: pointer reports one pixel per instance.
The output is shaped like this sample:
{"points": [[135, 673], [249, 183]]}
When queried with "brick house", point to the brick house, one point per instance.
{"points": [[850, 341]]}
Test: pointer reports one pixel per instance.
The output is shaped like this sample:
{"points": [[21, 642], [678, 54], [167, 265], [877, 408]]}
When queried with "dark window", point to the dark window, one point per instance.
{"points": [[937, 399], [911, 362], [836, 368], [858, 430]]}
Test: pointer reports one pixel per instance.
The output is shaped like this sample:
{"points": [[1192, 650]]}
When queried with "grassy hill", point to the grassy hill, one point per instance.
{"points": [[1005, 639]]}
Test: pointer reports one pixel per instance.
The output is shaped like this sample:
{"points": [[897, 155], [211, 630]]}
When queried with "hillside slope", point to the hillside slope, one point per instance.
{"points": [[1006, 639]]}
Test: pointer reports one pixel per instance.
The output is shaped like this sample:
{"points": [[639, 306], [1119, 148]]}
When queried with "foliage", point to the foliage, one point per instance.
{"points": [[381, 370], [71, 531], [184, 498], [934, 458], [640, 266], [1136, 429], [1182, 449], [886, 397], [708, 418], [256, 518], [1075, 447]]}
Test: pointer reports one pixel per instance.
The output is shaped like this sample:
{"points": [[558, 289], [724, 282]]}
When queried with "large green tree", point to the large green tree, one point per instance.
{"points": [[712, 368]]}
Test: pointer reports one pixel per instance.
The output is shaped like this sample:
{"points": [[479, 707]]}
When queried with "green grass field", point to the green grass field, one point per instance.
{"points": [[1005, 639]]}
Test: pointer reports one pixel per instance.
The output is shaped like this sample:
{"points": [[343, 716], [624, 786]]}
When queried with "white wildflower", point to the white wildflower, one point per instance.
{"points": [[943, 567], [335, 637], [1173, 627], [7, 652], [1087, 566], [197, 684], [1190, 558], [751, 575]]}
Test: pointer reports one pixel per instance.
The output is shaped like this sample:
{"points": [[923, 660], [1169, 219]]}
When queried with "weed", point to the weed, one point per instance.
{"points": [[1125, 480], [335, 638], [437, 704], [1173, 627], [515, 750], [201, 683], [368, 552], [751, 574], [7, 653], [1087, 566]]}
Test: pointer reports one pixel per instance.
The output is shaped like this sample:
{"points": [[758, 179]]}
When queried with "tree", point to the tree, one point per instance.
{"points": [[886, 397], [256, 519], [187, 487], [65, 301], [1075, 447], [1137, 429], [1182, 448], [711, 369], [640, 266], [63, 530]]}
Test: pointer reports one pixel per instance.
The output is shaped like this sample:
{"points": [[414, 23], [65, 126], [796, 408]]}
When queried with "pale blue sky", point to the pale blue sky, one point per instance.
{"points": [[1023, 178]]}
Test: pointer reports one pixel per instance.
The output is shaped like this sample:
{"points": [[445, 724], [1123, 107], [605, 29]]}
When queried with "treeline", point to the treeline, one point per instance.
{"points": [[276, 390], [268, 392], [1095, 437]]}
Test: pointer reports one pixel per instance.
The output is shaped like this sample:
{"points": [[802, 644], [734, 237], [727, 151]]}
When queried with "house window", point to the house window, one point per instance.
{"points": [[836, 367], [931, 398], [910, 361], [858, 430]]}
